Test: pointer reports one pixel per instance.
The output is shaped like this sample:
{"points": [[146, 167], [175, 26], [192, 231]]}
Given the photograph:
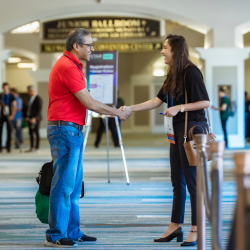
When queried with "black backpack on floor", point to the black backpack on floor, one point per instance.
{"points": [[44, 179]]}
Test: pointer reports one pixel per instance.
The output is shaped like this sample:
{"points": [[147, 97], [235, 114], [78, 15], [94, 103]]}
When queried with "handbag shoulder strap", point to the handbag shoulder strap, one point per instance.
{"points": [[209, 123], [191, 134], [186, 113]]}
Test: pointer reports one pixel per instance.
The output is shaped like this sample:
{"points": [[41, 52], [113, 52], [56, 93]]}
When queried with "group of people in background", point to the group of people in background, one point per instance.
{"points": [[16, 114]]}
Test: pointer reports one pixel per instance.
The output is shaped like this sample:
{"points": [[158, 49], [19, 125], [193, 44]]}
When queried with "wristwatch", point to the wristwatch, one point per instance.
{"points": [[182, 108]]}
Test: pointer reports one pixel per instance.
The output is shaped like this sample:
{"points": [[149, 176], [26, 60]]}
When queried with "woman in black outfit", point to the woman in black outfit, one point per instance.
{"points": [[175, 53]]}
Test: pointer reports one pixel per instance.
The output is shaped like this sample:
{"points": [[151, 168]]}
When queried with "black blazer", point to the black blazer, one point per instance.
{"points": [[36, 109]]}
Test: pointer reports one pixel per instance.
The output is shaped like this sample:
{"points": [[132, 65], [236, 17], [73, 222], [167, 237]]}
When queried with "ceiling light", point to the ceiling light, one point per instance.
{"points": [[27, 28], [158, 72], [14, 60], [27, 66]]}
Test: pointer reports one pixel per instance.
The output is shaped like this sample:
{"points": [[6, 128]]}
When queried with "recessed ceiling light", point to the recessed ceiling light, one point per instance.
{"points": [[28, 28], [27, 66], [158, 72], [14, 60]]}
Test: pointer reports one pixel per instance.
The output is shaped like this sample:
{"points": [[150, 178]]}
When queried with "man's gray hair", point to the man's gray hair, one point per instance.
{"points": [[76, 36], [30, 87]]}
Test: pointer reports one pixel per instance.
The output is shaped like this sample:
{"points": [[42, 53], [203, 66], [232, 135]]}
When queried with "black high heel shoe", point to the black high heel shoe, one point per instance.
{"points": [[178, 233], [189, 244]]}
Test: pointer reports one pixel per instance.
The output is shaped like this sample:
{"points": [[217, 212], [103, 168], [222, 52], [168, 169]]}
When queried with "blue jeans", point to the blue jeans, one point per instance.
{"points": [[17, 125], [66, 145]]}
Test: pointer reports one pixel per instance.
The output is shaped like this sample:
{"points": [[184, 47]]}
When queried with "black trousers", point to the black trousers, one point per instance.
{"points": [[112, 127], [224, 128], [182, 174], [34, 130], [9, 129]]}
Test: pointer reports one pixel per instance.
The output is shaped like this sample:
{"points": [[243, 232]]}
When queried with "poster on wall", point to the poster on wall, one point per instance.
{"points": [[102, 73]]}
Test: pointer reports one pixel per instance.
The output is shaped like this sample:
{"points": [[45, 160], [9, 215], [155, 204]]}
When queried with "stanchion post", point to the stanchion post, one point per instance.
{"points": [[201, 140], [217, 149], [242, 161]]}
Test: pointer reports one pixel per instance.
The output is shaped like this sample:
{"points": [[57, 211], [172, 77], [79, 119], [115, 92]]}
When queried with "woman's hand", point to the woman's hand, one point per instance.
{"points": [[171, 112]]}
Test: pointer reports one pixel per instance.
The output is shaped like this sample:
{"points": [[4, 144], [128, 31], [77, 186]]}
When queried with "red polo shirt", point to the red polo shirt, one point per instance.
{"points": [[65, 80]]}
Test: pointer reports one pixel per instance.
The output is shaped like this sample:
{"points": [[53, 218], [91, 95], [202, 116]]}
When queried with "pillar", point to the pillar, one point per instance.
{"points": [[225, 66]]}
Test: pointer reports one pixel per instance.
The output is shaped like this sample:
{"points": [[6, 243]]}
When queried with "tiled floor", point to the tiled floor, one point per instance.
{"points": [[121, 216]]}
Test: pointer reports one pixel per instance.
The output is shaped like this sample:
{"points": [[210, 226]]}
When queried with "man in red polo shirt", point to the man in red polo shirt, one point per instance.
{"points": [[68, 100]]}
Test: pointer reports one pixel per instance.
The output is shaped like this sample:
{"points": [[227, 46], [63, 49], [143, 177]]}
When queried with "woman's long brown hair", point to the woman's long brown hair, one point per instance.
{"points": [[174, 79]]}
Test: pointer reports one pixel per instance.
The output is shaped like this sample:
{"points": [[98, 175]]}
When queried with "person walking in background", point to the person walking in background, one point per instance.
{"points": [[182, 76], [224, 112], [34, 117], [17, 121], [7, 114]]}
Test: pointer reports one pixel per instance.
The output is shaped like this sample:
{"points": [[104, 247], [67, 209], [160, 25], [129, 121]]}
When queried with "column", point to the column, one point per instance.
{"points": [[4, 56], [225, 66]]}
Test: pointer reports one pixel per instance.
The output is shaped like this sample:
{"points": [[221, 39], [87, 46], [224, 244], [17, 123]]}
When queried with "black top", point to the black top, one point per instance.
{"points": [[35, 110], [196, 91], [224, 114], [8, 101]]}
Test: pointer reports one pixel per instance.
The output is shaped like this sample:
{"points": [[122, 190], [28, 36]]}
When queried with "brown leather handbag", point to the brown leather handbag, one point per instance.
{"points": [[190, 146]]}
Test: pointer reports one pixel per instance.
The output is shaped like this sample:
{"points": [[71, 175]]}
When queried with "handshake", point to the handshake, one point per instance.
{"points": [[125, 113]]}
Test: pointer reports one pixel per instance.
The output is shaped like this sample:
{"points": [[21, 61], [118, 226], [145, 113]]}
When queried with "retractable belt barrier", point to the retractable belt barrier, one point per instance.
{"points": [[209, 204]]}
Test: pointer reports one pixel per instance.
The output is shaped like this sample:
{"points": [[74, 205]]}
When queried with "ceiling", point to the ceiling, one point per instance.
{"points": [[228, 19], [200, 14]]}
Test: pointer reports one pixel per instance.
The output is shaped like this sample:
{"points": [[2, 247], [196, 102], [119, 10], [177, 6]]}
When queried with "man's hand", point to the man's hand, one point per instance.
{"points": [[171, 112], [33, 120], [125, 114], [11, 117], [122, 108]]}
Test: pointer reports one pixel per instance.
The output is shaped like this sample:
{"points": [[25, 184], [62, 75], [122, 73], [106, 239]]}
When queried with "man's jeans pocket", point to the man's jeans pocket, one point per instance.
{"points": [[57, 146]]}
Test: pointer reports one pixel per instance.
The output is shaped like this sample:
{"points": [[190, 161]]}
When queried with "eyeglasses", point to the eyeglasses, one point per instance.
{"points": [[89, 44]]}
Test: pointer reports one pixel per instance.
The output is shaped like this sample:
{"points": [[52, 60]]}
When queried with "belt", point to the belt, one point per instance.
{"points": [[71, 124]]}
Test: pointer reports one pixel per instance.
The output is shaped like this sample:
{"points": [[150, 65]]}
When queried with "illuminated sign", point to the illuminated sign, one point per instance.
{"points": [[121, 47], [110, 27]]}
